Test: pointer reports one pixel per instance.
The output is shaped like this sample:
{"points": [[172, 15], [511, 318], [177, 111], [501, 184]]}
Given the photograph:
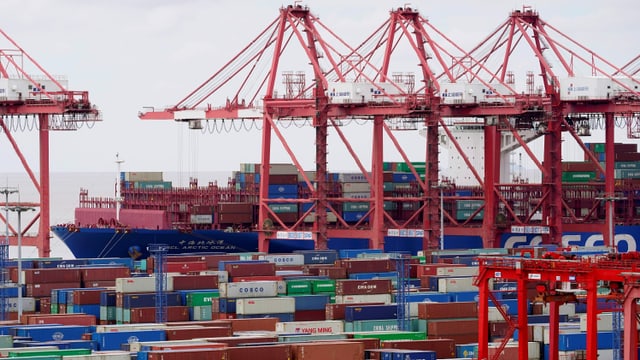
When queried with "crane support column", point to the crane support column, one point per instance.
{"points": [[431, 221], [483, 315], [523, 329], [552, 211], [491, 173], [609, 180], [377, 190], [265, 161], [554, 327], [630, 311], [592, 317], [44, 245], [320, 123]]}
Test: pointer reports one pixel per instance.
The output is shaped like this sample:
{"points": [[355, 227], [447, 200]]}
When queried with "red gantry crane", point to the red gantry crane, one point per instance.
{"points": [[345, 88], [579, 89], [33, 99]]}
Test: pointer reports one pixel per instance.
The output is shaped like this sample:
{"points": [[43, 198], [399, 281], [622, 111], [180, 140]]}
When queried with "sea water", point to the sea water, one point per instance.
{"points": [[64, 198]]}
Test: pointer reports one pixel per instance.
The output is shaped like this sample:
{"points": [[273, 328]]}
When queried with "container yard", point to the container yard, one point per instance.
{"points": [[396, 260], [357, 304]]}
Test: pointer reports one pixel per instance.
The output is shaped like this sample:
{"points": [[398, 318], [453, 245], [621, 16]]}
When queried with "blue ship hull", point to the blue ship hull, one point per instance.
{"points": [[107, 242]]}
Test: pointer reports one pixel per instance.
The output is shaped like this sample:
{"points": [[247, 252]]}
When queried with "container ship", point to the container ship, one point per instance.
{"points": [[222, 218]]}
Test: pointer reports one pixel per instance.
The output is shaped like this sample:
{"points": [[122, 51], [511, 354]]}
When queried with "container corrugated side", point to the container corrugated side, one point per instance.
{"points": [[311, 327], [248, 289], [279, 305], [139, 284]]}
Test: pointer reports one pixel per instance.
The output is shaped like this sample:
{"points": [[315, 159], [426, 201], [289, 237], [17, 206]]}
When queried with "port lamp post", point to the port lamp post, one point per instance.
{"points": [[19, 210]]}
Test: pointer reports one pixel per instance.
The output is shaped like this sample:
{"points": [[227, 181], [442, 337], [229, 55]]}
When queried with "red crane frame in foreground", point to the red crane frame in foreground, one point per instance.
{"points": [[585, 273], [35, 95]]}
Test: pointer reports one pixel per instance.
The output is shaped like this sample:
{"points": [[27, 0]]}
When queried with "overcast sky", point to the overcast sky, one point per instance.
{"points": [[134, 53]]}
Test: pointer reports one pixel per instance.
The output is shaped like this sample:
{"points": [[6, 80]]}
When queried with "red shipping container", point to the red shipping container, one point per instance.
{"points": [[44, 289], [333, 272], [86, 297], [309, 315], [187, 346], [192, 332], [237, 340], [45, 305], [336, 311], [257, 278], [262, 352], [193, 354], [451, 310], [283, 179], [99, 284], [444, 348], [53, 275], [432, 269], [185, 267], [355, 266], [330, 350], [195, 282], [452, 327], [257, 324], [363, 287], [250, 269], [62, 319], [147, 315], [104, 273]]}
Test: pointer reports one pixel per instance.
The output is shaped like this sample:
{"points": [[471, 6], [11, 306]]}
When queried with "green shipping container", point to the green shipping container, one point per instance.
{"points": [[323, 286], [54, 308], [396, 335], [465, 214], [355, 206], [298, 287], [404, 167], [598, 147], [627, 174], [469, 204], [284, 208], [578, 176], [377, 325], [201, 298], [107, 312], [60, 352]]}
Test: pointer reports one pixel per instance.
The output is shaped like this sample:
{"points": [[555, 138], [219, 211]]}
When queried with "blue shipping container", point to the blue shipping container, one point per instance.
{"points": [[114, 340], [311, 302]]}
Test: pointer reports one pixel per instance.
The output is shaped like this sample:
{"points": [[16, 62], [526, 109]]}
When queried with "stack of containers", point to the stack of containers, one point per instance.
{"points": [[356, 188], [252, 291], [41, 282], [234, 213], [466, 208], [311, 293], [283, 184], [136, 300], [455, 320]]}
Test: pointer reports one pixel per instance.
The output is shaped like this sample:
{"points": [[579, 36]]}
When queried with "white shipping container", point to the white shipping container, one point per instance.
{"points": [[351, 177], [129, 327], [351, 187], [143, 176], [140, 284], [457, 271], [357, 195], [201, 219], [604, 322], [282, 169], [311, 327], [248, 289], [268, 305], [455, 284], [568, 309], [28, 304], [136, 346], [586, 88], [106, 355], [283, 259], [365, 298]]}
